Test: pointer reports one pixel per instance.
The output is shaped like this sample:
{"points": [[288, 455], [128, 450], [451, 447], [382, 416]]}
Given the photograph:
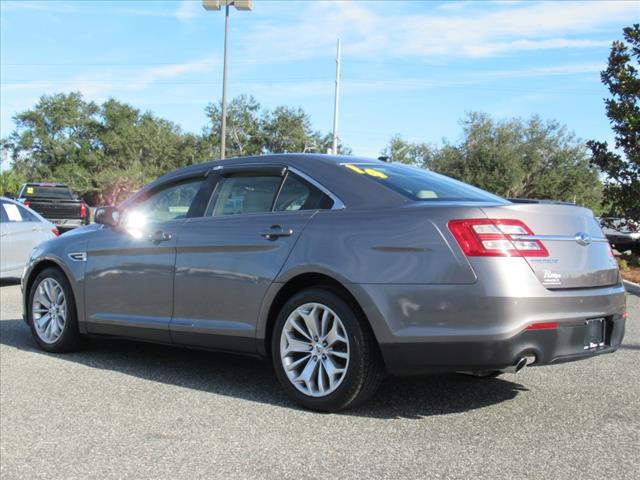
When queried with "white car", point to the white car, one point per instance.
{"points": [[622, 233], [21, 229]]}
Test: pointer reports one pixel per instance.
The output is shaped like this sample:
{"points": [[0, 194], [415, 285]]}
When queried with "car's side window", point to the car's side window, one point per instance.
{"points": [[3, 214], [244, 193], [12, 213], [169, 203], [27, 216], [298, 194]]}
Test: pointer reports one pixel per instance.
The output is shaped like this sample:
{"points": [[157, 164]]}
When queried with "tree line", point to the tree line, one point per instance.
{"points": [[106, 151]]}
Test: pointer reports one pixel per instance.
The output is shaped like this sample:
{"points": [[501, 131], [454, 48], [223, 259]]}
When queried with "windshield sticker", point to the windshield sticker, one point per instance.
{"points": [[372, 172], [29, 190]]}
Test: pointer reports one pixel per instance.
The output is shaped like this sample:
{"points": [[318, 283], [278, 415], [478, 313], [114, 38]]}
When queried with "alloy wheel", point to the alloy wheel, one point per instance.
{"points": [[314, 349], [49, 310]]}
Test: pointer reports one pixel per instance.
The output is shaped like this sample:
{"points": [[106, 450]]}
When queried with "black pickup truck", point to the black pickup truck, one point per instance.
{"points": [[56, 203]]}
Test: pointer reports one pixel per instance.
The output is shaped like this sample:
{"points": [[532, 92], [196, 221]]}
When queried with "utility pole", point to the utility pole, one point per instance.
{"points": [[336, 108], [223, 133]]}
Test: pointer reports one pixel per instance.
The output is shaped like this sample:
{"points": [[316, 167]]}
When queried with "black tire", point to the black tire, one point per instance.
{"points": [[365, 370], [70, 339]]}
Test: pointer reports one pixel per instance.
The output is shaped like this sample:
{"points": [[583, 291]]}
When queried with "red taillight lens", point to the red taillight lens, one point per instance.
{"points": [[484, 237], [55, 231], [83, 210], [26, 203], [543, 326]]}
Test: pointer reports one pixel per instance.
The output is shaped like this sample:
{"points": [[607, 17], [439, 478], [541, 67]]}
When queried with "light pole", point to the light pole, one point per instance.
{"points": [[217, 5]]}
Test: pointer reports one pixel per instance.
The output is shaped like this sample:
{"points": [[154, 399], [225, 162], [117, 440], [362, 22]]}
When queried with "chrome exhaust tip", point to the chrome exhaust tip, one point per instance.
{"points": [[515, 368]]}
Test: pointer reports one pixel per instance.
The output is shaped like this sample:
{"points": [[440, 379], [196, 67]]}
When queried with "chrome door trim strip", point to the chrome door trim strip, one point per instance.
{"points": [[556, 238]]}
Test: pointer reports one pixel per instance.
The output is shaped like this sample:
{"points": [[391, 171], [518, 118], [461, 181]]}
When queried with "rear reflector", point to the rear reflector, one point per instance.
{"points": [[484, 237], [543, 326]]}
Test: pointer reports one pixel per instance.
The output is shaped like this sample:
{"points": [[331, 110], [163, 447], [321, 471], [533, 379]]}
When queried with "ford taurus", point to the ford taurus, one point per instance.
{"points": [[337, 269]]}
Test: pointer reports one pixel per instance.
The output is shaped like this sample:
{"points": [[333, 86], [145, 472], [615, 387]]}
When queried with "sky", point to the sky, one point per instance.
{"points": [[410, 68]]}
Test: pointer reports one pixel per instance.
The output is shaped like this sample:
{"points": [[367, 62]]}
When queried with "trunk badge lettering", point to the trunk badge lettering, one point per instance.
{"points": [[583, 238]]}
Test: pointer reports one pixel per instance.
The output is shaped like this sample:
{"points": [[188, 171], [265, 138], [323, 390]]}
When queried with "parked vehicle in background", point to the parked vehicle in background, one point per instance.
{"points": [[55, 202], [21, 229], [338, 269], [622, 234]]}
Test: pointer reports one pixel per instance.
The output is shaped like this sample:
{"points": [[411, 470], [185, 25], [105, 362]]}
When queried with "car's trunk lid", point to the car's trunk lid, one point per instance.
{"points": [[579, 254]]}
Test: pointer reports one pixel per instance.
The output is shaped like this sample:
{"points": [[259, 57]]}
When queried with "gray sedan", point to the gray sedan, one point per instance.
{"points": [[337, 269], [21, 229]]}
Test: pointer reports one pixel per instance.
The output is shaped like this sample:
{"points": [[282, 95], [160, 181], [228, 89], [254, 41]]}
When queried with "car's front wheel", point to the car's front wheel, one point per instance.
{"points": [[52, 312], [324, 355]]}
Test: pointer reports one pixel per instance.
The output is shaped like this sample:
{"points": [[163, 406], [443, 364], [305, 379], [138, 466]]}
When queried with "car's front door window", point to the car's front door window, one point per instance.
{"points": [[168, 204]]}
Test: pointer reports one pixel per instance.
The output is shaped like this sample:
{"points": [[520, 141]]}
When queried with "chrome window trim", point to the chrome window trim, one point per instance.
{"points": [[337, 203]]}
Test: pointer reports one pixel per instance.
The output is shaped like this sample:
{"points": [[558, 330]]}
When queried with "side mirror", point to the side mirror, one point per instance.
{"points": [[109, 216]]}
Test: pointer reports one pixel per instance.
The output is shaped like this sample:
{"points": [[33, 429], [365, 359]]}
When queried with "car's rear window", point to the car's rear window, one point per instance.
{"points": [[62, 193], [419, 184]]}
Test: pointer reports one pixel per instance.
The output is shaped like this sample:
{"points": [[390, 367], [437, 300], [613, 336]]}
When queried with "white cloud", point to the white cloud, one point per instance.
{"points": [[99, 84], [370, 30], [188, 10], [41, 6]]}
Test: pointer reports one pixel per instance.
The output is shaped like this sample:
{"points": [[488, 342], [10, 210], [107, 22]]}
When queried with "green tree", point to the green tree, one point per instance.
{"points": [[254, 130], [512, 158], [622, 182], [400, 150], [101, 151], [244, 125]]}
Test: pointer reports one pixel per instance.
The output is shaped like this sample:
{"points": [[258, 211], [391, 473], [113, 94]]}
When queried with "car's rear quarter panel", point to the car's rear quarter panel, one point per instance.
{"points": [[416, 286]]}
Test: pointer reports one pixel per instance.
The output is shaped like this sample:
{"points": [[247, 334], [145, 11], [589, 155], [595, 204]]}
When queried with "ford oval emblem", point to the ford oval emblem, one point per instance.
{"points": [[583, 238]]}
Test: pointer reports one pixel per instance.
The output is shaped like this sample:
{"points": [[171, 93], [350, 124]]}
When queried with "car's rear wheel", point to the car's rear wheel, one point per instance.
{"points": [[324, 355], [52, 312]]}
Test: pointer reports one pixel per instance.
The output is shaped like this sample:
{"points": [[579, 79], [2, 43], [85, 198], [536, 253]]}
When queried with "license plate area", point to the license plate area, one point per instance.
{"points": [[595, 333]]}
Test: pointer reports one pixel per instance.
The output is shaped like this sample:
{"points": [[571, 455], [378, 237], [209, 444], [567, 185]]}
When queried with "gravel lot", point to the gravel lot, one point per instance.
{"points": [[127, 410]]}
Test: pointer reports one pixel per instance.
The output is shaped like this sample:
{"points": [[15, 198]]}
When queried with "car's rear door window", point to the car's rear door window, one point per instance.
{"points": [[419, 184], [244, 193], [298, 194]]}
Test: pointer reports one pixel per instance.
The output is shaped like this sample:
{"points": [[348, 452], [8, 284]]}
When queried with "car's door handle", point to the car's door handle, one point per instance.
{"points": [[276, 231], [159, 236]]}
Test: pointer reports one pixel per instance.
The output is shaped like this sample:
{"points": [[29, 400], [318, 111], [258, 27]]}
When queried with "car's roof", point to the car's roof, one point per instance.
{"points": [[328, 170]]}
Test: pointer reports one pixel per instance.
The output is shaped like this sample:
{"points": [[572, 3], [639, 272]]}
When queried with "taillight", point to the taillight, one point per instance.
{"points": [[55, 231], [83, 210], [484, 237], [26, 203]]}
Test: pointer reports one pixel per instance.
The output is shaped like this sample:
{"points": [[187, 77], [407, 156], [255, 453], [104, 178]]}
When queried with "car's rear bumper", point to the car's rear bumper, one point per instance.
{"points": [[68, 222], [484, 326], [543, 347]]}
